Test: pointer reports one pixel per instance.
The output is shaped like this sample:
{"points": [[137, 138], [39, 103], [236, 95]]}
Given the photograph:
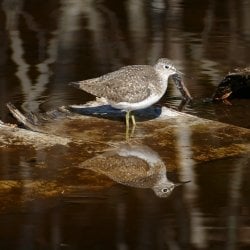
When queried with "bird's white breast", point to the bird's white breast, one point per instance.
{"points": [[153, 98]]}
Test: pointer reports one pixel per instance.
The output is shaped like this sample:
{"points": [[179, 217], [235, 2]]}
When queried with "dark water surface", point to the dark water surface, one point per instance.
{"points": [[44, 45]]}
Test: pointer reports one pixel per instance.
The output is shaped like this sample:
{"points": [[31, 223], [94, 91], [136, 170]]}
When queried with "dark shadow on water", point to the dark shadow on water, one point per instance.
{"points": [[108, 112]]}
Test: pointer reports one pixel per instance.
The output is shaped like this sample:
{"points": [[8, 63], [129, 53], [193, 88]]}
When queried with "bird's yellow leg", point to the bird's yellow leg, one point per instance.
{"points": [[132, 132], [127, 119], [127, 125], [133, 127], [133, 120], [127, 134]]}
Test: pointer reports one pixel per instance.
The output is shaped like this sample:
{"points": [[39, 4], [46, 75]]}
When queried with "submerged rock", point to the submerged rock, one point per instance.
{"points": [[64, 150], [92, 127]]}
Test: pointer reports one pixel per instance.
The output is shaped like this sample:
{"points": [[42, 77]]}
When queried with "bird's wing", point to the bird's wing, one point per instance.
{"points": [[131, 171], [128, 84]]}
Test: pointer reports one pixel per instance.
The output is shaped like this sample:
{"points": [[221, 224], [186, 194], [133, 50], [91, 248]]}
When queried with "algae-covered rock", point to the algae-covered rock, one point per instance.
{"points": [[79, 147]]}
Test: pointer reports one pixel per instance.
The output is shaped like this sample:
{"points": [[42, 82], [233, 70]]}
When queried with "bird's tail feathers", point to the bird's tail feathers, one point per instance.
{"points": [[75, 84]]}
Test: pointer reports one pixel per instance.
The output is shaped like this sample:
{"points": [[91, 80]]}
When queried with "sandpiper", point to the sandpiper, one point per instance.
{"points": [[133, 165], [135, 87]]}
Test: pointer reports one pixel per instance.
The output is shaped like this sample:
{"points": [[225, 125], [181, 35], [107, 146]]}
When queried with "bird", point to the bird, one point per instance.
{"points": [[134, 165], [134, 87]]}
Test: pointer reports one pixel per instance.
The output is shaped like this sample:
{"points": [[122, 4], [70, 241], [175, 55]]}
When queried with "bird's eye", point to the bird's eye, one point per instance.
{"points": [[166, 67], [164, 190]]}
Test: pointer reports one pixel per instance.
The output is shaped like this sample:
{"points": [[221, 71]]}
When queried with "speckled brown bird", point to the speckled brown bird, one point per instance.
{"points": [[135, 166], [134, 87]]}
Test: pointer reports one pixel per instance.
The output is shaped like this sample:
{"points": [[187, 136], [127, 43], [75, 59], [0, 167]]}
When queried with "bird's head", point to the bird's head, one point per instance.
{"points": [[166, 69], [163, 190]]}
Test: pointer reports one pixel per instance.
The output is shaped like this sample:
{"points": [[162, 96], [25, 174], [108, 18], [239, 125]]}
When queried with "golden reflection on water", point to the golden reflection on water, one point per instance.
{"points": [[80, 181]]}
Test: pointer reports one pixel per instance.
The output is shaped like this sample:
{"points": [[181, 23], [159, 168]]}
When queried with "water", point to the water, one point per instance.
{"points": [[44, 46]]}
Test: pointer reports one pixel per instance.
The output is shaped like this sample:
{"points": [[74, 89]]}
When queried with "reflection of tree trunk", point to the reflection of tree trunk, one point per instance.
{"points": [[63, 48], [32, 91], [104, 43], [12, 9], [108, 37], [121, 213], [137, 30], [22, 69], [196, 230], [234, 203], [245, 19], [3, 78], [95, 25]]}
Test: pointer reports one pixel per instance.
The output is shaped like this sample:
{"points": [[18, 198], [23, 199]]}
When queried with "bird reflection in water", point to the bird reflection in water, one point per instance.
{"points": [[135, 166]]}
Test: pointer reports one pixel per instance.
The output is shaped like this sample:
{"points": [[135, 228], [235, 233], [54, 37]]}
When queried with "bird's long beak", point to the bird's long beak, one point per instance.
{"points": [[181, 86]]}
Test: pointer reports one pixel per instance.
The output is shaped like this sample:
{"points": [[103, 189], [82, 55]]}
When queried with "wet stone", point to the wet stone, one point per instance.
{"points": [[78, 150]]}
